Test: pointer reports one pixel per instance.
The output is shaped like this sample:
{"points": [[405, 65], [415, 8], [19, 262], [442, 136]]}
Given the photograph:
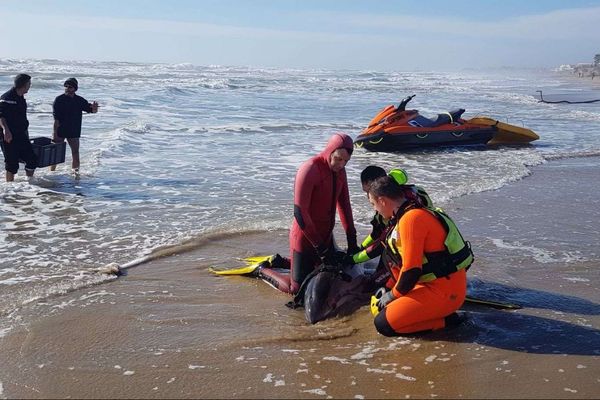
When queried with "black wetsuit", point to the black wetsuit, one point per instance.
{"points": [[67, 111], [13, 108]]}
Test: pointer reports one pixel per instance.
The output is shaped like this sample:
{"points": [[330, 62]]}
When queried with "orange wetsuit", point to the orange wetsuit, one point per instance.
{"points": [[424, 306]]}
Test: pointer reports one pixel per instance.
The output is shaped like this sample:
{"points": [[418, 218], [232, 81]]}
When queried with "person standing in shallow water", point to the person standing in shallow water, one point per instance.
{"points": [[67, 109], [14, 129], [320, 187]]}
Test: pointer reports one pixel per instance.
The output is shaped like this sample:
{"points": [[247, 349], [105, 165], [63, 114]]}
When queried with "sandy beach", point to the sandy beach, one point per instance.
{"points": [[169, 329]]}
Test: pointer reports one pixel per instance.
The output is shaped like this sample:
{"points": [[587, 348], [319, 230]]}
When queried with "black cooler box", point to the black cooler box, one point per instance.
{"points": [[48, 153]]}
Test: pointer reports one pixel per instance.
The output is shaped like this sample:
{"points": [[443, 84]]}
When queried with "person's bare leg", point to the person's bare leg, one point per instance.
{"points": [[74, 144], [57, 139], [10, 176]]}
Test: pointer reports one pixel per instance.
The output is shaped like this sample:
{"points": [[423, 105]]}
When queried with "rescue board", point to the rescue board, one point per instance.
{"points": [[506, 133]]}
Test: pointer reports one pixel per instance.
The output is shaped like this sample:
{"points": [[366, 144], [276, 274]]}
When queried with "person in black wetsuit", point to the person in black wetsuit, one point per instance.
{"points": [[14, 129], [67, 109], [372, 246]]}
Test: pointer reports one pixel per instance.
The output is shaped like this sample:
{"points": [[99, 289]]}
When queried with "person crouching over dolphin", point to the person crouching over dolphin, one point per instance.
{"points": [[428, 259], [320, 187]]}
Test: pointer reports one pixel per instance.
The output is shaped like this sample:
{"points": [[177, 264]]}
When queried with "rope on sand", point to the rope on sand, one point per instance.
{"points": [[564, 101], [117, 270]]}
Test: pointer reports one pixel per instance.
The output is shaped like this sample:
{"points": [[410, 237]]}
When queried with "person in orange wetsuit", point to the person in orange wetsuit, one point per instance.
{"points": [[320, 187], [428, 259]]}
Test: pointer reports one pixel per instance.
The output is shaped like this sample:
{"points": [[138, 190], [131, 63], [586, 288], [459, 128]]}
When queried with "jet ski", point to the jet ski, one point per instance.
{"points": [[396, 128]]}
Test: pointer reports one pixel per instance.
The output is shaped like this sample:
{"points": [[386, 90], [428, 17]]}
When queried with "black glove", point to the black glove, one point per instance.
{"points": [[348, 259], [352, 245], [334, 258]]}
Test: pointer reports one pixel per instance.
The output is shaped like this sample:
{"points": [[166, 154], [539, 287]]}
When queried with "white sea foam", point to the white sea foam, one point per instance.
{"points": [[336, 359], [317, 391], [539, 254], [367, 352], [430, 358], [381, 371], [270, 378], [580, 115], [576, 279], [405, 377]]}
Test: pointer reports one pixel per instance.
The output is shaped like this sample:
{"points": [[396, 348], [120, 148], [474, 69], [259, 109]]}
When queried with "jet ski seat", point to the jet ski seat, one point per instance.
{"points": [[443, 118]]}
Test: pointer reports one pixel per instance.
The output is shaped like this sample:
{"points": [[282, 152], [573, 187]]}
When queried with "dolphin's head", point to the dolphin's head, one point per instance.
{"points": [[317, 302]]}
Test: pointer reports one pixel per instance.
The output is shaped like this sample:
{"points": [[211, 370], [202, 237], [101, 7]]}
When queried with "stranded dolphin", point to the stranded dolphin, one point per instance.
{"points": [[337, 291], [328, 291]]}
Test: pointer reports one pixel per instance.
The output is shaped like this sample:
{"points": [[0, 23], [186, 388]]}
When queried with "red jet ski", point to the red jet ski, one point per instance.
{"points": [[396, 128]]}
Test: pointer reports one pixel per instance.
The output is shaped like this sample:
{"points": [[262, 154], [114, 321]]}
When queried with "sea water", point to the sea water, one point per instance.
{"points": [[183, 152]]}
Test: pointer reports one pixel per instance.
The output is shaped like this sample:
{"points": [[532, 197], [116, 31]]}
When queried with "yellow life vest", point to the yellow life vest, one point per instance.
{"points": [[456, 255]]}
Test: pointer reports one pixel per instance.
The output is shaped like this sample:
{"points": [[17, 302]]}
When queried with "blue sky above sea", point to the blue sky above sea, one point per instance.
{"points": [[394, 35]]}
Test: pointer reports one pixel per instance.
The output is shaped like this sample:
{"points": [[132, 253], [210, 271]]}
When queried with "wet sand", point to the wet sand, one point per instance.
{"points": [[169, 329]]}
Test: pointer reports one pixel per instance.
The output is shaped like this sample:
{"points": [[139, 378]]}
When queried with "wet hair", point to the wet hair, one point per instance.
{"points": [[72, 82], [21, 80], [371, 173], [386, 186]]}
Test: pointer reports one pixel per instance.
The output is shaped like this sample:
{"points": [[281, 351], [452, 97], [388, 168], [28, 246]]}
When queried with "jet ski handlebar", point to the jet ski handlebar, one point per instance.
{"points": [[404, 102]]}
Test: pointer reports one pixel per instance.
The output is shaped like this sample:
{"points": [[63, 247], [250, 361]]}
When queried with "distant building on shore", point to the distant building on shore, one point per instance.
{"points": [[565, 68], [582, 70]]}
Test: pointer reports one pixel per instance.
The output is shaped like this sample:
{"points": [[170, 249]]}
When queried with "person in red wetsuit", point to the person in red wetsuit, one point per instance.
{"points": [[320, 187], [428, 259]]}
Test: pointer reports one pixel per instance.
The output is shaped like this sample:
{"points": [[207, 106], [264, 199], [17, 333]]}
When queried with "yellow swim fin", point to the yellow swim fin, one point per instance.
{"points": [[257, 259], [249, 270]]}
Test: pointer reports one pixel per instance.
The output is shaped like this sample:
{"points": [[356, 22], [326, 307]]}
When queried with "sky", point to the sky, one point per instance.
{"points": [[387, 35]]}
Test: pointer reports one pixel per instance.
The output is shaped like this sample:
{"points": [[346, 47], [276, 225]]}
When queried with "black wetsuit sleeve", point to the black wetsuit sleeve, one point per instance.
{"points": [[3, 107], [378, 226], [408, 280], [7, 107], [85, 105], [57, 109], [14, 110]]}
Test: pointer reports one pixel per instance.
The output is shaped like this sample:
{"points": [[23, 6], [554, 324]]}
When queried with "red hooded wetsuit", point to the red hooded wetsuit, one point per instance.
{"points": [[317, 192]]}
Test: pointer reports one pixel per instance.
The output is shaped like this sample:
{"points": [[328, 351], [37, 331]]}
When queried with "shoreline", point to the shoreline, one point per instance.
{"points": [[594, 83], [169, 329]]}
